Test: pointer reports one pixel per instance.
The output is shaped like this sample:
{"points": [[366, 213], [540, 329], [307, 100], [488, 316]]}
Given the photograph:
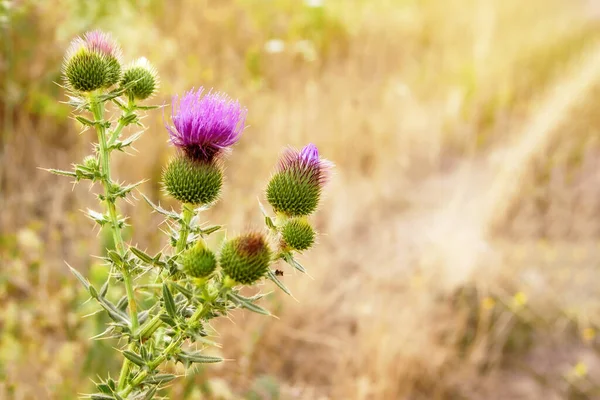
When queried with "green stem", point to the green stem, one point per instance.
{"points": [[150, 327], [188, 213], [122, 123], [104, 153], [174, 345]]}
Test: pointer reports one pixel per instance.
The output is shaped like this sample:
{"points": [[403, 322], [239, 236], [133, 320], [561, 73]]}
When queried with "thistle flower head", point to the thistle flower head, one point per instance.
{"points": [[92, 62], [198, 261], [296, 187], [143, 78], [193, 182], [307, 162], [246, 258], [298, 234], [102, 42], [205, 125]]}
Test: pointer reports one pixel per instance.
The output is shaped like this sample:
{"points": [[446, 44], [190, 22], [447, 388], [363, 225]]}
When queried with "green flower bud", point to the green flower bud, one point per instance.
{"points": [[91, 162], [92, 62], [86, 71], [198, 261], [145, 77], [246, 258], [191, 181], [297, 234], [113, 71], [293, 193], [295, 189]]}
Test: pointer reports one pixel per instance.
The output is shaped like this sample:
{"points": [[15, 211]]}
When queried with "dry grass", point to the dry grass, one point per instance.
{"points": [[466, 194]]}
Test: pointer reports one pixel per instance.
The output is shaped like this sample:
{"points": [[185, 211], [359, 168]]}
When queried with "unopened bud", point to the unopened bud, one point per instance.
{"points": [[246, 258], [192, 182], [198, 261]]}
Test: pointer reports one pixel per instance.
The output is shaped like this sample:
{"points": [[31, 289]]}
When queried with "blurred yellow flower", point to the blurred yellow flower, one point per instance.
{"points": [[588, 334], [520, 299], [488, 303], [580, 369]]}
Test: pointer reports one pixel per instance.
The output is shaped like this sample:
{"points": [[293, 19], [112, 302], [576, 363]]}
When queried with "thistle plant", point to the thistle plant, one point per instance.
{"points": [[188, 283]]}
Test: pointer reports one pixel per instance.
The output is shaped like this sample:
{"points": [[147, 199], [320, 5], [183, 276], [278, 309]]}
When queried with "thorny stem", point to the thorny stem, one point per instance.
{"points": [[104, 153], [188, 213], [169, 350], [123, 122]]}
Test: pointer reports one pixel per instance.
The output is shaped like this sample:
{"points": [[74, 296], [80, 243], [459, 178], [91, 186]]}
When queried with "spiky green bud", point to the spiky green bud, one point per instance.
{"points": [[293, 193], [86, 71], [191, 181], [298, 234], [91, 162], [246, 258], [198, 261], [92, 62], [113, 71], [145, 77], [295, 189]]}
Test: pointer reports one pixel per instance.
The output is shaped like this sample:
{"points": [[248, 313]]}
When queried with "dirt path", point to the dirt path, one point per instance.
{"points": [[469, 200]]}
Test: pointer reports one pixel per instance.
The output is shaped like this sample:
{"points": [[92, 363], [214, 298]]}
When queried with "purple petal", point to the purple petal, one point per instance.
{"points": [[205, 125]]}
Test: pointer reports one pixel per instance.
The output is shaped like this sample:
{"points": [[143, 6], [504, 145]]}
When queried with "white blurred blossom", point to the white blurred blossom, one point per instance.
{"points": [[314, 3], [307, 49], [274, 46]]}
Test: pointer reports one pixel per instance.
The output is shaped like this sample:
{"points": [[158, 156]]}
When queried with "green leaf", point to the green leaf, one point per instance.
{"points": [[199, 358], [148, 328], [122, 303], [125, 190], [115, 257], [150, 393], [104, 289], [168, 320], [79, 103], [93, 292], [210, 230], [104, 388], [273, 277], [120, 104], [101, 396], [113, 312], [171, 214], [80, 277], [187, 293], [99, 218], [85, 121], [128, 118], [160, 379], [141, 255], [147, 107], [248, 305], [251, 299], [143, 316], [169, 302], [121, 144], [289, 258], [269, 223], [134, 358], [115, 93], [61, 172]]}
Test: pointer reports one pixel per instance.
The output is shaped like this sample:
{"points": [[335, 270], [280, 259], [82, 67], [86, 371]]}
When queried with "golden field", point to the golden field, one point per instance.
{"points": [[459, 254]]}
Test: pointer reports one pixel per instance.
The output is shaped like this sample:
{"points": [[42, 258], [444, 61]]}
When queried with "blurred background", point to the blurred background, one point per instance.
{"points": [[460, 248]]}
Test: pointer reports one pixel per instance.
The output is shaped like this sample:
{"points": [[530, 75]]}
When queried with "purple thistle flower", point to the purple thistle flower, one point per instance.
{"points": [[103, 43], [205, 125], [95, 41], [307, 162], [295, 188]]}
